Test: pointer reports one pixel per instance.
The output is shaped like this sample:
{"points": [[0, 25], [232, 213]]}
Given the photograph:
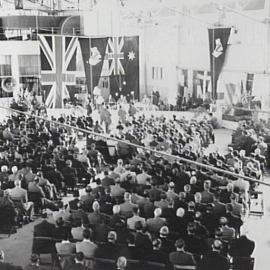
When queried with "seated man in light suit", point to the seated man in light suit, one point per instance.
{"points": [[87, 247], [19, 194]]}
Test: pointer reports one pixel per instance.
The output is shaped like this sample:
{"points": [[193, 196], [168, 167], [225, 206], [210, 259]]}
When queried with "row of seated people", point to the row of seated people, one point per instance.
{"points": [[196, 216], [78, 263]]}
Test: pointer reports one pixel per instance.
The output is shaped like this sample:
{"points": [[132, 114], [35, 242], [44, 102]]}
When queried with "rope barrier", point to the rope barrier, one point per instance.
{"points": [[107, 137]]}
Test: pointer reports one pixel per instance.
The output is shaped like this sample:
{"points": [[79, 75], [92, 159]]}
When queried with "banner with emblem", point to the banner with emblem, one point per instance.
{"points": [[121, 65], [93, 56], [218, 42]]}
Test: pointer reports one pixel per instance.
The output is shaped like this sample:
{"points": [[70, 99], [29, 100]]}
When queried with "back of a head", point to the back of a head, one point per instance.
{"points": [[138, 226], [79, 257], [191, 227], [17, 183], [164, 231], [44, 215], [179, 244], [14, 169], [207, 184], [34, 258], [116, 209], [217, 245], [120, 162], [156, 244], [96, 206], [112, 236], [180, 212], [127, 196], [157, 212], [223, 221], [86, 234], [121, 263], [60, 222]]}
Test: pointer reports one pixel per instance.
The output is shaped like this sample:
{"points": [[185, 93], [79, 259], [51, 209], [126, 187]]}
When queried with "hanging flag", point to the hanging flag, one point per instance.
{"points": [[58, 68], [18, 4], [218, 42], [204, 78], [230, 95], [93, 54], [197, 81], [121, 64]]}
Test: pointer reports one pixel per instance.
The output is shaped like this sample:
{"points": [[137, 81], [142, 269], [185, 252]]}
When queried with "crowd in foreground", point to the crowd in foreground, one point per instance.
{"points": [[142, 206]]}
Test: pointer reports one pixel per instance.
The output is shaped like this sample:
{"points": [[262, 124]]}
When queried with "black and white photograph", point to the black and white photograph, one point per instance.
{"points": [[134, 134]]}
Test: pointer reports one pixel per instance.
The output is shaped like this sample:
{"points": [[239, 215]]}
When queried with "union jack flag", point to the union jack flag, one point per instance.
{"points": [[58, 67], [114, 54]]}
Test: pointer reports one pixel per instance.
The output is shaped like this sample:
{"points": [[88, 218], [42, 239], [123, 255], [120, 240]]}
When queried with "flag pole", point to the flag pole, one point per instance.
{"points": [[91, 74]]}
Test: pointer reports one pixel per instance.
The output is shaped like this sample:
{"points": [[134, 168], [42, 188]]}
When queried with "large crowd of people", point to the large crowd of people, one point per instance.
{"points": [[128, 203]]}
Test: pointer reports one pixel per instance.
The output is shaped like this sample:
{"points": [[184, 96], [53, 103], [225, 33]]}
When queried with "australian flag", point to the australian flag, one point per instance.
{"points": [[121, 65]]}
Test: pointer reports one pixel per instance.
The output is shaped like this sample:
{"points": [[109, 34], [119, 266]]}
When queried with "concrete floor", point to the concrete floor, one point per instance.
{"points": [[18, 247]]}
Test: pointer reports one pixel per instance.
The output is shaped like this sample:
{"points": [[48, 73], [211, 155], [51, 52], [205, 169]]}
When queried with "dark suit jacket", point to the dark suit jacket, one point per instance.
{"points": [[242, 247], [108, 251], [181, 258], [157, 256], [214, 261], [130, 252], [143, 242], [7, 266], [44, 228]]}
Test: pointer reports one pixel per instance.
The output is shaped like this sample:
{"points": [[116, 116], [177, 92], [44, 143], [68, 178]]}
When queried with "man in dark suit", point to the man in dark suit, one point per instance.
{"points": [[108, 250], [70, 175], [130, 251], [215, 260], [43, 229], [156, 255], [79, 263], [7, 266], [242, 246], [180, 256]]}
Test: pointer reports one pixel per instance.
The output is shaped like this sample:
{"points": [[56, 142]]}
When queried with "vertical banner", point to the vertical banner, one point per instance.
{"points": [[58, 68], [121, 65], [218, 42], [93, 55]]}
